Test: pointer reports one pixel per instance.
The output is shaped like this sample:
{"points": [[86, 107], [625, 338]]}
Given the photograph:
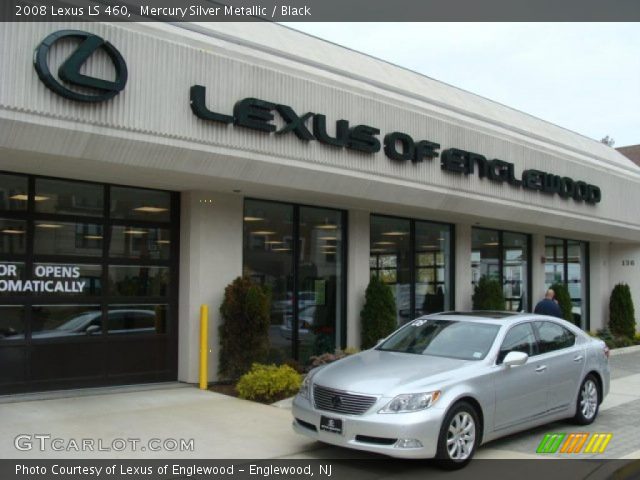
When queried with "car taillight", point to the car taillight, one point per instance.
{"points": [[606, 352]]}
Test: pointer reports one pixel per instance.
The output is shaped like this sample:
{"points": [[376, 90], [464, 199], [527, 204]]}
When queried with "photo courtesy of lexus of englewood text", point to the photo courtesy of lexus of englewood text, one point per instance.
{"points": [[247, 248]]}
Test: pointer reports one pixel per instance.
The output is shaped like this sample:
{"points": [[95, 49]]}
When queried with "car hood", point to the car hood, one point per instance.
{"points": [[378, 372]]}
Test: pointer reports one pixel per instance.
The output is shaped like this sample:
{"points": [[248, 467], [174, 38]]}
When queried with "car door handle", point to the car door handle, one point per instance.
{"points": [[578, 358], [541, 368]]}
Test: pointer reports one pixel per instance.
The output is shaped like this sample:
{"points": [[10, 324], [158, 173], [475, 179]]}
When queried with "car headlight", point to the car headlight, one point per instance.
{"points": [[305, 388], [411, 402]]}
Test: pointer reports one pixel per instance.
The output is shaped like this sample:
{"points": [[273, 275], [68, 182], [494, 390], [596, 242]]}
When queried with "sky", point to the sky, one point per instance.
{"points": [[580, 76]]}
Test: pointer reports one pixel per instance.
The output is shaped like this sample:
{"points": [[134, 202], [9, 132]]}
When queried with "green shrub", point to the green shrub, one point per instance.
{"points": [[488, 295], [564, 301], [269, 383], [378, 316], [622, 320], [636, 339], [244, 333]]}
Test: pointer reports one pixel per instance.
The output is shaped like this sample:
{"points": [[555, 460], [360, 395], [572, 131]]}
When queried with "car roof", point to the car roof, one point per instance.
{"points": [[485, 316]]}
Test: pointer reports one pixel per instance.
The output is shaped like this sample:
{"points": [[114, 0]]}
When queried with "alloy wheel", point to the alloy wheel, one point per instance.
{"points": [[461, 436], [589, 399]]}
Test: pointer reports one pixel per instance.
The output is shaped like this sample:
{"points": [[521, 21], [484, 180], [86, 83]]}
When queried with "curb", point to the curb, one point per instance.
{"points": [[624, 350]]}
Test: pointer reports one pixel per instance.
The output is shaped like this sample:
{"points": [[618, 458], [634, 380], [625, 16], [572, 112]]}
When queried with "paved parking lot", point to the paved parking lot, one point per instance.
{"points": [[225, 427]]}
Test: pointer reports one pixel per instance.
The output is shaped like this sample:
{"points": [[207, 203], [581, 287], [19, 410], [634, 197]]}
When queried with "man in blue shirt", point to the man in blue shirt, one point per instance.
{"points": [[548, 306]]}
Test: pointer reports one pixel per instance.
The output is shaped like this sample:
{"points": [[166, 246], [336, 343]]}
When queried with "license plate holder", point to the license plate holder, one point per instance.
{"points": [[330, 424]]}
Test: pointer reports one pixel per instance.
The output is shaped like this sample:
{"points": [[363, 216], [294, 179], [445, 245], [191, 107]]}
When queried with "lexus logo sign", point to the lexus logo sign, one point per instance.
{"points": [[98, 89]]}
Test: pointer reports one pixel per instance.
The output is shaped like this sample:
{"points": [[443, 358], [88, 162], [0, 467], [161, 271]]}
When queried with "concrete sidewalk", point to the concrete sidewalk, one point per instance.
{"points": [[221, 426]]}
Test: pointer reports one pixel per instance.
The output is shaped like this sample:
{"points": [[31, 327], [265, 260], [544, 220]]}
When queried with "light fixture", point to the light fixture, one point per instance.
{"points": [[263, 232], [280, 249], [13, 231], [163, 242], [430, 246], [93, 237], [327, 238], [395, 234], [274, 242], [131, 231], [150, 209], [491, 244], [327, 226], [253, 219], [23, 197], [384, 243], [378, 250], [49, 225]]}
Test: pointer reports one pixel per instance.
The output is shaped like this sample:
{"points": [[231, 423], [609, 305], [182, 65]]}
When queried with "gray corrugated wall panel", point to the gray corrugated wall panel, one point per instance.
{"points": [[156, 102]]}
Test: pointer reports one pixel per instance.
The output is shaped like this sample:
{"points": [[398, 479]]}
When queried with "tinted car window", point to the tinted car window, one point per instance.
{"points": [[443, 338], [519, 339], [553, 337]]}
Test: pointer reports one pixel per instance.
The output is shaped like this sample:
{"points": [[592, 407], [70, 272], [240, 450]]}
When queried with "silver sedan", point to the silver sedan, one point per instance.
{"points": [[444, 384]]}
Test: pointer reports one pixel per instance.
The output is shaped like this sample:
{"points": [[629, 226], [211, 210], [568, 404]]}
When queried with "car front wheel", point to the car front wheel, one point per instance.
{"points": [[588, 401], [458, 437]]}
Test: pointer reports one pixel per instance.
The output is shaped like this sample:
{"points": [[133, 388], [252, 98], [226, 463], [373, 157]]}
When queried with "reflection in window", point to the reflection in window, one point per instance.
{"points": [[137, 319], [268, 260], [553, 337], [11, 322], [390, 260], [140, 204], [420, 278], [433, 248], [502, 256], [140, 242], [13, 192], [63, 238], [68, 197], [129, 281], [565, 263], [13, 236], [66, 279], [54, 321]]}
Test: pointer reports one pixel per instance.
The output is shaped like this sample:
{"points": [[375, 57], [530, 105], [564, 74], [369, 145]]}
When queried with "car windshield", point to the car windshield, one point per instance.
{"points": [[443, 338]]}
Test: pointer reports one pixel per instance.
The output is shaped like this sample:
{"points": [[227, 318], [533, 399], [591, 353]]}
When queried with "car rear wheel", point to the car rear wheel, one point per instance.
{"points": [[588, 401], [458, 437]]}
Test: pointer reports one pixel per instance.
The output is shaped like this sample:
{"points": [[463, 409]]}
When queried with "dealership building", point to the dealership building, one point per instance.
{"points": [[143, 167]]}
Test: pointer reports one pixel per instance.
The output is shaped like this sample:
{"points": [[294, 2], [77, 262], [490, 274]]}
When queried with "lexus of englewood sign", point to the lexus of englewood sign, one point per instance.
{"points": [[258, 115]]}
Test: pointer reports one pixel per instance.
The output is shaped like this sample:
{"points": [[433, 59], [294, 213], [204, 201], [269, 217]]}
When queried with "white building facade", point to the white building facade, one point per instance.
{"points": [[223, 150]]}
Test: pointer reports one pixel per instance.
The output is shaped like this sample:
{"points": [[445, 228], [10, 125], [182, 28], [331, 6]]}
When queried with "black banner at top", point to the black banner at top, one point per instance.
{"points": [[319, 10]]}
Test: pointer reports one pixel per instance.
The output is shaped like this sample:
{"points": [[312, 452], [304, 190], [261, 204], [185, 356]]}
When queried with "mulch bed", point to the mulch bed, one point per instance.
{"points": [[224, 388]]}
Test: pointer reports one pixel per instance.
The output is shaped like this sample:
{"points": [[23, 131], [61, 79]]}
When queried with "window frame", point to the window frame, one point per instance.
{"points": [[535, 341]]}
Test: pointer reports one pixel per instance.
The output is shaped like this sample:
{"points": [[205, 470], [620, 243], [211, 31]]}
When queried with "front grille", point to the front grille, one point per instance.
{"points": [[341, 402]]}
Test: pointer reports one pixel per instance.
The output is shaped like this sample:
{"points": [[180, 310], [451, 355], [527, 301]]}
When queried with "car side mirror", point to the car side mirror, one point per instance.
{"points": [[515, 359], [91, 329]]}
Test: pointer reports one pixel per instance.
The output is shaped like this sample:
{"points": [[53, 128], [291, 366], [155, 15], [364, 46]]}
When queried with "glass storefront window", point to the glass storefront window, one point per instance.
{"points": [[502, 256], [139, 204], [319, 281], [313, 300], [418, 268], [390, 252], [12, 325], [433, 249], [64, 238], [268, 261], [13, 236], [11, 273], [68, 197], [137, 319], [138, 281], [54, 321], [13, 192], [140, 242], [565, 262]]}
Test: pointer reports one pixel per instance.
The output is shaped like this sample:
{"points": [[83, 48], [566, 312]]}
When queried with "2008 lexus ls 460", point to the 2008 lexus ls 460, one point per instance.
{"points": [[443, 384]]}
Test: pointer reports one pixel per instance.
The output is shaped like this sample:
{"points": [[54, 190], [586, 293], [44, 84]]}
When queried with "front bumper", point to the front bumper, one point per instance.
{"points": [[373, 431]]}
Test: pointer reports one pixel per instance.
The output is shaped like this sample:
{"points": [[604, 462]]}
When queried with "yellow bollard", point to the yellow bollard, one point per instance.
{"points": [[204, 346]]}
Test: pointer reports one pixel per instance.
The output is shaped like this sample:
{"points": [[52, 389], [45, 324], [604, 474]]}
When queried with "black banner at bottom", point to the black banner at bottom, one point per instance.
{"points": [[341, 469]]}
